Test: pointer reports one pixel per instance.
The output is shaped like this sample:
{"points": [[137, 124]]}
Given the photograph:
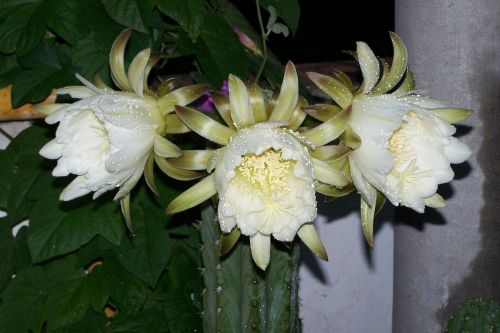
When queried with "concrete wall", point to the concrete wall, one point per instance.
{"points": [[446, 256], [351, 293]]}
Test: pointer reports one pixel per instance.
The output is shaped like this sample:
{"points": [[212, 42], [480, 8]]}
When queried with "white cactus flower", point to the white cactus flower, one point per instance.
{"points": [[264, 174], [264, 178], [109, 138], [402, 142]]}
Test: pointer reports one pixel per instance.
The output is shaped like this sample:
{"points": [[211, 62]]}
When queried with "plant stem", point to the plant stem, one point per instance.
{"points": [[210, 235], [241, 298], [264, 42], [294, 289], [279, 285], [7, 135]]}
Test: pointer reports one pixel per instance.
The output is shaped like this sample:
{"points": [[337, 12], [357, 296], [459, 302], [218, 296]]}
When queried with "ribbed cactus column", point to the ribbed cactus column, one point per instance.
{"points": [[210, 249], [238, 296]]}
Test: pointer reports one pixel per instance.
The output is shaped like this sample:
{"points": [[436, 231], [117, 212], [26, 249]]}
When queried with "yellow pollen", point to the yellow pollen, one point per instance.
{"points": [[398, 142], [404, 155], [268, 172]]}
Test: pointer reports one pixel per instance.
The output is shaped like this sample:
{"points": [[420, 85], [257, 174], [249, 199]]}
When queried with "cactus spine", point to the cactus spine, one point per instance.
{"points": [[241, 298]]}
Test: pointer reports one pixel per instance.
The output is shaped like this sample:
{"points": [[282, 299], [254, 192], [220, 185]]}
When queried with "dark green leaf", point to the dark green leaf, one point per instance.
{"points": [[25, 297], [66, 20], [14, 253], [19, 167], [35, 84], [131, 13], [219, 51], [58, 228], [7, 63], [102, 26], [96, 288], [183, 314], [185, 44], [87, 58], [68, 298], [127, 292], [45, 54], [289, 10], [188, 13], [7, 78], [23, 28], [146, 253], [7, 4], [147, 321], [90, 323]]}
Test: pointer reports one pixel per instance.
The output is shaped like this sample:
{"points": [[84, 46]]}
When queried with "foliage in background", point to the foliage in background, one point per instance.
{"points": [[76, 267], [43, 43]]}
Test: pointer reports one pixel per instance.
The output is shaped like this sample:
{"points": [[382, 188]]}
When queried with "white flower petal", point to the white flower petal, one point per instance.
{"points": [[260, 247], [133, 147], [75, 189], [105, 139], [131, 181], [457, 151], [127, 110], [76, 92], [359, 181], [51, 150], [264, 178]]}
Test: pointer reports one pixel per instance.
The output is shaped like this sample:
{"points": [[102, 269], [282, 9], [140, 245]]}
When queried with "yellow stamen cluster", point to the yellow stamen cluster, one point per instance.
{"points": [[402, 153], [397, 144], [268, 171]]}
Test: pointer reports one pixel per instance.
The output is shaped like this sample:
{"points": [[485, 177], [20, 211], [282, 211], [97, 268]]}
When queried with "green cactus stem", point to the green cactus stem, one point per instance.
{"points": [[210, 236], [475, 316], [241, 298]]}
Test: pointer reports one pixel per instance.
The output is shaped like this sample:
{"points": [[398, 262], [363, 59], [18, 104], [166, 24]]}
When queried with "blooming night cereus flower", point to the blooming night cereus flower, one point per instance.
{"points": [[402, 142], [108, 137], [264, 174]]}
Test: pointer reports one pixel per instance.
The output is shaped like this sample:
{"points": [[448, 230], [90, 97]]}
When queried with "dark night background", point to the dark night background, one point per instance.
{"points": [[328, 27]]}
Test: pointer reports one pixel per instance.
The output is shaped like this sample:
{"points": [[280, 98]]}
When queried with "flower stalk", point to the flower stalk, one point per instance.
{"points": [[264, 42]]}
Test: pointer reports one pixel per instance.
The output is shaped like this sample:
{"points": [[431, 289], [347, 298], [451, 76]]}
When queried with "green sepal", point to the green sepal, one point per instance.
{"points": [[166, 86], [333, 88], [125, 205], [193, 196], [344, 79], [435, 201], [149, 174], [452, 115], [229, 240], [367, 211], [398, 66], [177, 173], [322, 112], [329, 130], [309, 235], [330, 153], [350, 138], [408, 84], [333, 191]]}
